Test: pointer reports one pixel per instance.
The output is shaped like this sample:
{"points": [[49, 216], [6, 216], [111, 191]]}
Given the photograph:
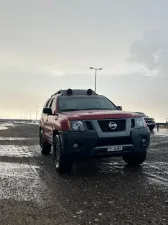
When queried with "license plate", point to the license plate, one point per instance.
{"points": [[114, 148]]}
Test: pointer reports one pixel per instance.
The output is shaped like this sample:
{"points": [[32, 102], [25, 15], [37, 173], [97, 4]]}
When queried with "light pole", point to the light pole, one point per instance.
{"points": [[25, 115], [95, 69], [30, 114], [37, 111]]}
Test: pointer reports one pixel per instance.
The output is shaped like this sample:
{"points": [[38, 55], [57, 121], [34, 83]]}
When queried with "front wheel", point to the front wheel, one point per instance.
{"points": [[62, 163], [135, 159]]}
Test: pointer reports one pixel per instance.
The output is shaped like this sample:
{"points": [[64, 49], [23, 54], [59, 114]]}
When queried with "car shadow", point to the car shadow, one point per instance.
{"points": [[103, 167]]}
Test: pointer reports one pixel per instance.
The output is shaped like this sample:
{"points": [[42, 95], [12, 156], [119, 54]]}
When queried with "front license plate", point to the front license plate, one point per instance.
{"points": [[114, 148]]}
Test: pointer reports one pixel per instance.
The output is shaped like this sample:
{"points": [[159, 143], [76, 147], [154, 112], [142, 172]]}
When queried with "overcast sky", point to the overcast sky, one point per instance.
{"points": [[46, 45]]}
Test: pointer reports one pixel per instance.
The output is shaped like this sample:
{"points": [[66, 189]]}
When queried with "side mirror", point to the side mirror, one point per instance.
{"points": [[119, 107], [47, 111]]}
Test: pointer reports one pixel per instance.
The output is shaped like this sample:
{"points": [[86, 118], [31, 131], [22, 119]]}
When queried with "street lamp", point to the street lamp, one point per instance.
{"points": [[37, 111], [30, 113], [95, 74]]}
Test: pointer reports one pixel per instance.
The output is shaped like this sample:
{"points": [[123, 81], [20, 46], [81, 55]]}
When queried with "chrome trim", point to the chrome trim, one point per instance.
{"points": [[108, 146], [101, 134]]}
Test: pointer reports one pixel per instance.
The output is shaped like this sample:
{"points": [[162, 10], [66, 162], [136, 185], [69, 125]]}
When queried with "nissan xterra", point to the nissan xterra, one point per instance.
{"points": [[80, 124]]}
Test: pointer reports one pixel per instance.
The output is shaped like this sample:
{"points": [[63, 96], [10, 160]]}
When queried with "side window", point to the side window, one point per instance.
{"points": [[48, 103], [51, 103], [53, 107]]}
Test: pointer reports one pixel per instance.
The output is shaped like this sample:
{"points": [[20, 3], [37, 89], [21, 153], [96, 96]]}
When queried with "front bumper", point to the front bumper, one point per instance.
{"points": [[88, 144], [150, 122]]}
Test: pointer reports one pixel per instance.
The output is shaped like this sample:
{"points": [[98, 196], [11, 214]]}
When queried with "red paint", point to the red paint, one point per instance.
{"points": [[98, 114], [60, 121], [65, 117]]}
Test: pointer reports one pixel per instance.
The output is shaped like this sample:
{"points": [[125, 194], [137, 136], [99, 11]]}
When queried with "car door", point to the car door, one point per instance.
{"points": [[45, 121], [51, 119], [43, 115]]}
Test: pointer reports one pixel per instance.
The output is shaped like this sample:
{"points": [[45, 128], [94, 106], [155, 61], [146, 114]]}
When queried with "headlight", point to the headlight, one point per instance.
{"points": [[77, 126], [140, 122]]}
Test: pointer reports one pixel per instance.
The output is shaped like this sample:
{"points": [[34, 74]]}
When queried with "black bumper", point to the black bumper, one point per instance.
{"points": [[88, 144]]}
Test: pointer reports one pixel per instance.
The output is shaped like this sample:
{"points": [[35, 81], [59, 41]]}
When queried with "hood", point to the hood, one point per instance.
{"points": [[99, 114]]}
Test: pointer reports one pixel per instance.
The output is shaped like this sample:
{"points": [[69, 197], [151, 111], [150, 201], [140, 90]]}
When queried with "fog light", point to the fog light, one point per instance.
{"points": [[144, 141], [75, 145]]}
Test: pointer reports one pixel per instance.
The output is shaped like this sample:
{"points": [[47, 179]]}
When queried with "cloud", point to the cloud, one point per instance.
{"points": [[22, 90], [26, 82], [151, 51]]}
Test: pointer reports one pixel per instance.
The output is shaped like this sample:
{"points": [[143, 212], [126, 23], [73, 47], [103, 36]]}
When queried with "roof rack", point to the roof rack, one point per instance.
{"points": [[70, 92], [58, 92]]}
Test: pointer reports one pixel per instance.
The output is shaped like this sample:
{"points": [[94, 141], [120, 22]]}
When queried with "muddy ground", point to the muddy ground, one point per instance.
{"points": [[98, 192]]}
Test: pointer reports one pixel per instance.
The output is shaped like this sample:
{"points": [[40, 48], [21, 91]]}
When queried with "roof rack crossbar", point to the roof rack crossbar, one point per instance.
{"points": [[58, 92], [71, 91]]}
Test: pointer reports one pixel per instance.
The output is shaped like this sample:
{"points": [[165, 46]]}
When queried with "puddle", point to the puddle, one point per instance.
{"points": [[111, 167], [4, 126], [12, 139], [17, 170], [18, 151], [157, 180], [159, 174], [161, 132], [25, 122], [21, 182]]}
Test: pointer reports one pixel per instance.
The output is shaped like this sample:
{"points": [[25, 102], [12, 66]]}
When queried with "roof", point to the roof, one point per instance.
{"points": [[75, 92]]}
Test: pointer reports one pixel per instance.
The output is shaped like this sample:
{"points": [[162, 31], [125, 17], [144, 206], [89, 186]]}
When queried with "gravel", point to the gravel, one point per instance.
{"points": [[102, 191]]}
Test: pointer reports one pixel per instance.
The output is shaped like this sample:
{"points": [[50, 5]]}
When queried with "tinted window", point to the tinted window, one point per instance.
{"points": [[53, 107], [72, 104], [45, 105], [48, 102]]}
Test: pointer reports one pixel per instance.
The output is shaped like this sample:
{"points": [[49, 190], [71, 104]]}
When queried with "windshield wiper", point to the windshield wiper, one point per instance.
{"points": [[70, 110], [66, 110], [99, 109]]}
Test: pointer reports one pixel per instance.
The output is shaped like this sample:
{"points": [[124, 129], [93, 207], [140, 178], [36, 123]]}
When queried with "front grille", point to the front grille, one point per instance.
{"points": [[89, 125], [104, 125], [114, 141]]}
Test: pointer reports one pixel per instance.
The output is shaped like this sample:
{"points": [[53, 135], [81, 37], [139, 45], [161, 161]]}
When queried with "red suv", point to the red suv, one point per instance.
{"points": [[81, 124]]}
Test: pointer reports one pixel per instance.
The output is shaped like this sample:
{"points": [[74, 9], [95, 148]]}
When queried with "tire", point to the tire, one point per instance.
{"points": [[62, 163], [45, 146], [151, 127], [135, 159]]}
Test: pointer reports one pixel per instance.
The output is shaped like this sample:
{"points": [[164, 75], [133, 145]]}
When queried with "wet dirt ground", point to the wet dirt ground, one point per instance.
{"points": [[96, 192]]}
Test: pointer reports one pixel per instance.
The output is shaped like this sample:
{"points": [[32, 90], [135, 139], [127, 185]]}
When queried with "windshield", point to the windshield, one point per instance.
{"points": [[74, 104]]}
